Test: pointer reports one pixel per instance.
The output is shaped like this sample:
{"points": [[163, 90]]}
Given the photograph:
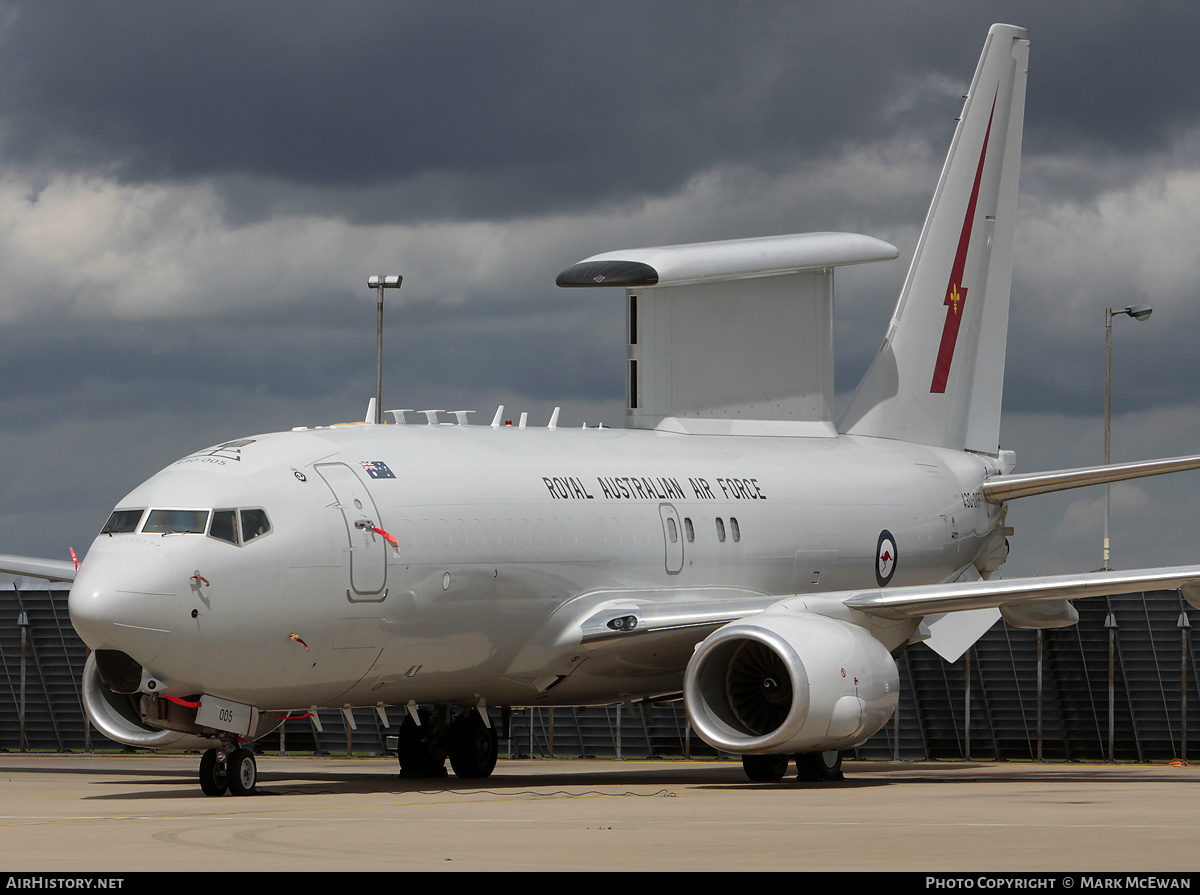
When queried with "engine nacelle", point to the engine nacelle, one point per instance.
{"points": [[116, 716], [789, 683]]}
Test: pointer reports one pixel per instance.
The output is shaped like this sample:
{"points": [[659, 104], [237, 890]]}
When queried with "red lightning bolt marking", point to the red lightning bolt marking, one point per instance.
{"points": [[956, 292]]}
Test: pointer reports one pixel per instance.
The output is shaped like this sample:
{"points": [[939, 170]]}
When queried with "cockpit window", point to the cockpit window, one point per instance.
{"points": [[224, 526], [233, 526], [254, 523], [227, 524], [168, 522], [122, 522]]}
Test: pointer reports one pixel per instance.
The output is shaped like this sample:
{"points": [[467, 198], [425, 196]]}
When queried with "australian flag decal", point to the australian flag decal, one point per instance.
{"points": [[377, 469]]}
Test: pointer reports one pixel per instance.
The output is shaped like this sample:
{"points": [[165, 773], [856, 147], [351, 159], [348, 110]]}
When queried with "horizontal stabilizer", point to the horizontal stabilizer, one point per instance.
{"points": [[1009, 487]]}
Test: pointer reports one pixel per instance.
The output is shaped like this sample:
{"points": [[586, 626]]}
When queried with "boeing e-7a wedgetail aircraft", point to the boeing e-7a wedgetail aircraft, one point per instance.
{"points": [[732, 545]]}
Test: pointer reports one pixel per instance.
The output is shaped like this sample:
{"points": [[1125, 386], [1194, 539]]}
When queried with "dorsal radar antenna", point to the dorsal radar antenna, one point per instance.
{"points": [[380, 282]]}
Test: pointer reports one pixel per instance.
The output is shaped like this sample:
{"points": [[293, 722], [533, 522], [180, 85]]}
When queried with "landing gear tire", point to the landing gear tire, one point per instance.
{"points": [[473, 746], [242, 771], [421, 751], [765, 768], [213, 777], [819, 766]]}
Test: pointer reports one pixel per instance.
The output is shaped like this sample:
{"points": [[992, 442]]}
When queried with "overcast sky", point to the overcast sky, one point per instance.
{"points": [[192, 197]]}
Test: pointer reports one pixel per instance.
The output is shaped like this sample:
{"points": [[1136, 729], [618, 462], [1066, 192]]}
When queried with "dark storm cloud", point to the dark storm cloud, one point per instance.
{"points": [[358, 94], [459, 108], [323, 349], [410, 110]]}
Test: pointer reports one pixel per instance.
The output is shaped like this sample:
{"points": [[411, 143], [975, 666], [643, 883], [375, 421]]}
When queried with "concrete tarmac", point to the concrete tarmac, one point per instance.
{"points": [[127, 813]]}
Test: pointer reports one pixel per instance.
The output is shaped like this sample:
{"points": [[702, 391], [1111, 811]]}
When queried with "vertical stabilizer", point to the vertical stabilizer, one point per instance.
{"points": [[938, 378]]}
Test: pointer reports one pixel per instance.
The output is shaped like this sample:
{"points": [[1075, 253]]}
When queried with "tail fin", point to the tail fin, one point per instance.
{"points": [[939, 376]]}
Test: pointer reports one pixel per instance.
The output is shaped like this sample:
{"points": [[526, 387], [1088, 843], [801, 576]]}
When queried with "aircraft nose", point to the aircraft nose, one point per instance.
{"points": [[123, 599]]}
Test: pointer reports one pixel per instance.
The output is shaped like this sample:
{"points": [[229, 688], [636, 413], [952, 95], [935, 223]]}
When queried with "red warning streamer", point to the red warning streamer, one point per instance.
{"points": [[387, 537]]}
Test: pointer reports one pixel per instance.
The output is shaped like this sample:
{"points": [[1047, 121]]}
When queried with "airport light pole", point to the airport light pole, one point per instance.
{"points": [[1137, 312], [23, 624], [379, 283], [1110, 624], [1184, 628]]}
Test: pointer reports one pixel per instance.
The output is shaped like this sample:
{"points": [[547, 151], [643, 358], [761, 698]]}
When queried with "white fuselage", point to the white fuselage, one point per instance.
{"points": [[506, 539]]}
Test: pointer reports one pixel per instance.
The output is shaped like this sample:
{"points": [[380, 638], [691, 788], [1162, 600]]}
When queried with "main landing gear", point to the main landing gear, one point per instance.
{"points": [[470, 744], [235, 771], [810, 767]]}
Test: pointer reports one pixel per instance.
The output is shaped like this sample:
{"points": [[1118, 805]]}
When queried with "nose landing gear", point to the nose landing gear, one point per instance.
{"points": [[235, 771], [213, 778]]}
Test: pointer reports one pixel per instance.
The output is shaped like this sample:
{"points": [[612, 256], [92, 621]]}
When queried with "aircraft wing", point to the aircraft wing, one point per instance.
{"points": [[32, 567], [649, 631], [923, 600], [649, 614], [668, 629], [653, 615]]}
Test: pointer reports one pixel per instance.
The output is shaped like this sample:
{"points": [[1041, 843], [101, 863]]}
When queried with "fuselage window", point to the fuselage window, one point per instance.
{"points": [[254, 523], [689, 529], [122, 522], [224, 526], [735, 528], [720, 529], [170, 522]]}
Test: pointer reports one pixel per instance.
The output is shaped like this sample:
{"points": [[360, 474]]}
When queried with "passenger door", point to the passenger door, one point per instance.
{"points": [[368, 551]]}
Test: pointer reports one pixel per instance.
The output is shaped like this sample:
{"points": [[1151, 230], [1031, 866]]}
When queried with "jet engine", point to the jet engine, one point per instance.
{"points": [[116, 715], [784, 683]]}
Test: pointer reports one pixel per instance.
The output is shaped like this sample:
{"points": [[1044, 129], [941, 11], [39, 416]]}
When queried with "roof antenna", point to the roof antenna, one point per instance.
{"points": [[379, 283]]}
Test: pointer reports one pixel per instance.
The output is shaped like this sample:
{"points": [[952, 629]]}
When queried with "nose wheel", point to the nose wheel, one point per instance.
{"points": [[213, 779], [236, 772]]}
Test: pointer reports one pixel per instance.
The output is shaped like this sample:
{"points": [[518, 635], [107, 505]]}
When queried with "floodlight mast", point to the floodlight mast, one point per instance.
{"points": [[380, 282], [1139, 313]]}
